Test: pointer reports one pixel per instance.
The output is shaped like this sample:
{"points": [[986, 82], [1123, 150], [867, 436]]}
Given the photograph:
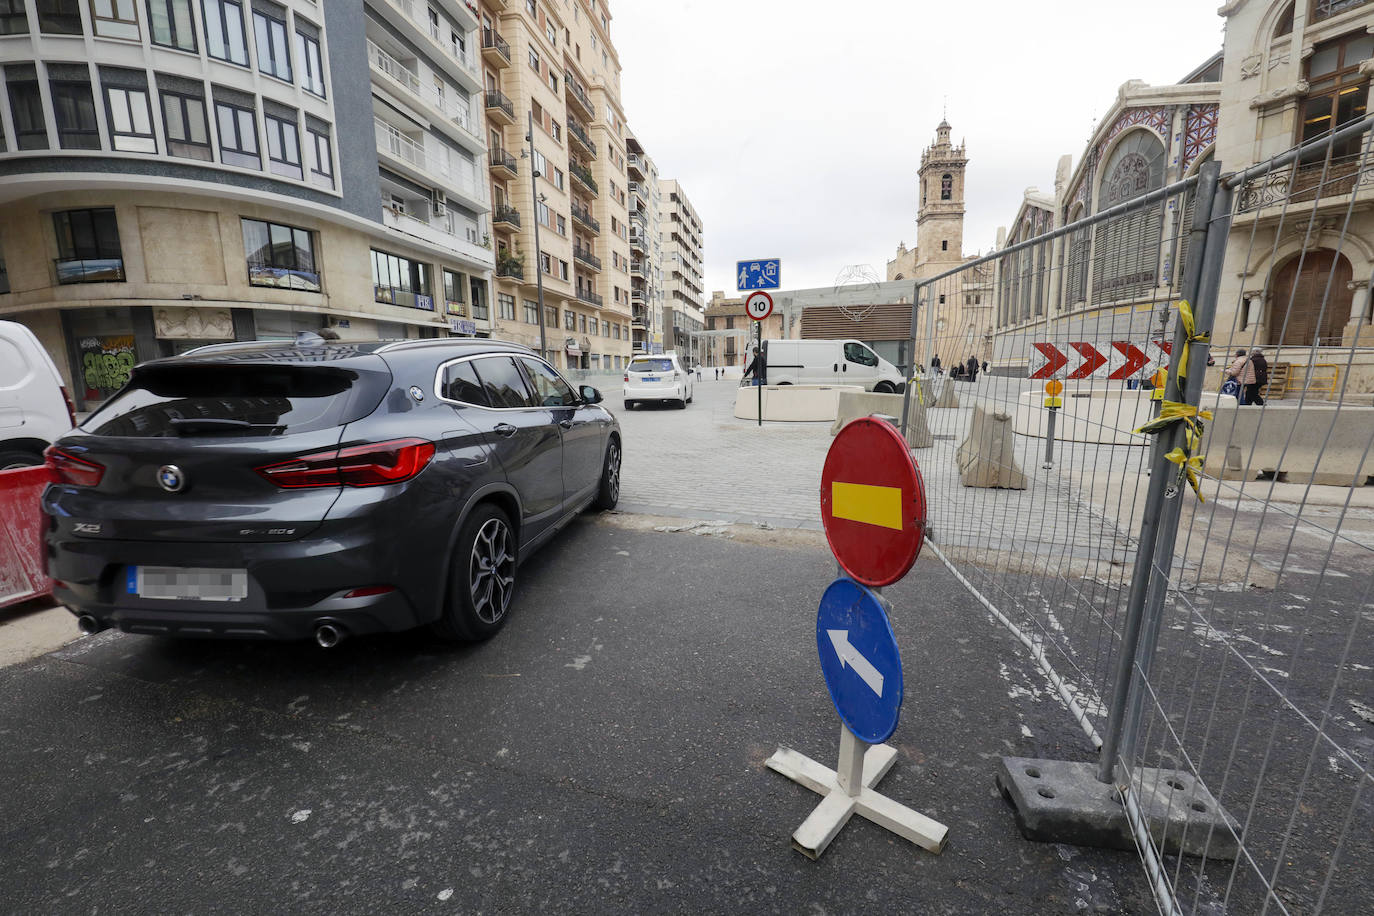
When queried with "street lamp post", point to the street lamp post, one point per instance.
{"points": [[538, 255]]}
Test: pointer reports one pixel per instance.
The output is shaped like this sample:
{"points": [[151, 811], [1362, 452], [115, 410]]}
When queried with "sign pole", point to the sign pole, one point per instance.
{"points": [[758, 369]]}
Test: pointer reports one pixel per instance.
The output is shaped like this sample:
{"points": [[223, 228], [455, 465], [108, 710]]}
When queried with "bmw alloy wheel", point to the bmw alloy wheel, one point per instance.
{"points": [[491, 571]]}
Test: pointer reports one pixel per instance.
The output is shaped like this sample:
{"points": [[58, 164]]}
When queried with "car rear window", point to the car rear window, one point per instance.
{"points": [[235, 400], [651, 365]]}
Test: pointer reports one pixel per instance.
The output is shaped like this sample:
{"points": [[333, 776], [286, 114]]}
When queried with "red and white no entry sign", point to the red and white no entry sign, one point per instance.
{"points": [[873, 502], [759, 305]]}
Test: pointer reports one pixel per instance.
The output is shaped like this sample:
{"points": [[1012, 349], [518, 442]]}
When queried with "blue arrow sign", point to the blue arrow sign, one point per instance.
{"points": [[859, 659], [765, 273]]}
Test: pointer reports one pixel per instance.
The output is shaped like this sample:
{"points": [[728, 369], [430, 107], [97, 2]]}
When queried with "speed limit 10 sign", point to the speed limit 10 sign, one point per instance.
{"points": [[759, 305]]}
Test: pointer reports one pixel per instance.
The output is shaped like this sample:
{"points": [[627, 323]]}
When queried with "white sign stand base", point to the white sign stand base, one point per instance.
{"points": [[846, 793]]}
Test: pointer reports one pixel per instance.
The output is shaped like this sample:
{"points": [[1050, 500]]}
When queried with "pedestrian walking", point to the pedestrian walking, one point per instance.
{"points": [[973, 368], [1261, 366], [757, 369], [698, 372], [985, 367], [1240, 375], [935, 364], [718, 373]]}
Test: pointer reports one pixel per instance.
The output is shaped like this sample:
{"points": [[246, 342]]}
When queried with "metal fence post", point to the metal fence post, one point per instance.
{"points": [[1201, 287], [921, 289]]}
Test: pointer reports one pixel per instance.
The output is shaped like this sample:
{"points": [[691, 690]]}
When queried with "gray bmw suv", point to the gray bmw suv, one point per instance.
{"points": [[268, 490]]}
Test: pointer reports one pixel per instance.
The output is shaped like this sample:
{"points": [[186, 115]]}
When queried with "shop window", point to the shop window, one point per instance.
{"points": [[321, 159], [238, 136], [280, 256], [454, 300], [224, 36], [58, 17], [312, 70], [1337, 93], [88, 247], [115, 19], [401, 281], [13, 19], [131, 126], [171, 24], [73, 109], [26, 105], [188, 133], [274, 57], [283, 148]]}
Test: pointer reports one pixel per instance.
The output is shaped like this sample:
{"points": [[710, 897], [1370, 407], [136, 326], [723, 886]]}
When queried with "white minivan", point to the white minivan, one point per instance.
{"points": [[657, 378], [829, 362], [34, 405]]}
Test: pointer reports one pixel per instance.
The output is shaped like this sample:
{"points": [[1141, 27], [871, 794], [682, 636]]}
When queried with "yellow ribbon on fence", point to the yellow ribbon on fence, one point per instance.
{"points": [[1171, 412], [1185, 314], [1189, 465]]}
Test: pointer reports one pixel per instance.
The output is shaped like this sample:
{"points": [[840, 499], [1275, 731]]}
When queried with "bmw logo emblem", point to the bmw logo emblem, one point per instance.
{"points": [[171, 478]]}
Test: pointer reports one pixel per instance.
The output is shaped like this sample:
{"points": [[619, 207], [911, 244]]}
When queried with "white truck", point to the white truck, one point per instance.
{"points": [[34, 405], [829, 362]]}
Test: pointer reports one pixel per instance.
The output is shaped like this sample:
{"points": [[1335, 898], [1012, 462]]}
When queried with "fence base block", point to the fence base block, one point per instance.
{"points": [[1058, 801]]}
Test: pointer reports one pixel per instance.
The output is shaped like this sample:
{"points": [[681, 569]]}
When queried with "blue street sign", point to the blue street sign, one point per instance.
{"points": [[859, 659], [762, 274]]}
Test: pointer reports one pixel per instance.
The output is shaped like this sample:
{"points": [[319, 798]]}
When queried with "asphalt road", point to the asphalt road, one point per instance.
{"points": [[605, 753]]}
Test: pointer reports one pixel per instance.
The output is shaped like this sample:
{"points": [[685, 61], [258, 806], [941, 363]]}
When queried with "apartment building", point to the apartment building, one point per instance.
{"points": [[683, 243], [646, 250], [560, 195], [181, 172]]}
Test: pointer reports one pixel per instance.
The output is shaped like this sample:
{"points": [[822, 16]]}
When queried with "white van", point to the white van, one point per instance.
{"points": [[34, 405], [829, 362]]}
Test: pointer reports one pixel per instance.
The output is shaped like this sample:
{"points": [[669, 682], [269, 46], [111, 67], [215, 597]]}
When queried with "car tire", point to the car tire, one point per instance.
{"points": [[884, 388], [608, 493], [629, 405], [12, 458], [481, 579]]}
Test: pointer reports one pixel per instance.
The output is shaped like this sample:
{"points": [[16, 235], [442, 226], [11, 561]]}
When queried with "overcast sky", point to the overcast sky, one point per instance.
{"points": [[797, 129]]}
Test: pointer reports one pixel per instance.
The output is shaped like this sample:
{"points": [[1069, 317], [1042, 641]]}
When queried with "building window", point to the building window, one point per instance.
{"points": [[570, 321], [273, 57], [115, 19], [562, 223], [321, 159], [59, 17], [74, 110], [26, 104], [582, 323], [238, 136], [505, 304], [188, 134], [1325, 9], [1337, 92], [171, 24], [312, 68], [558, 178], [531, 312], [946, 186], [550, 316], [280, 256], [944, 244], [534, 60], [554, 130], [88, 246], [453, 292], [224, 38], [1128, 246], [131, 124], [530, 7], [480, 311], [13, 20], [283, 148], [400, 281]]}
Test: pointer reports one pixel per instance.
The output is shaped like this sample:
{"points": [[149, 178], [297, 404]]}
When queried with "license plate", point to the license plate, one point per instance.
{"points": [[650, 378], [188, 584]]}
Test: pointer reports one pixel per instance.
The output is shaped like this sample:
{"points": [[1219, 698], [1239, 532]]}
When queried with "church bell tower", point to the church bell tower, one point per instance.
{"points": [[940, 222]]}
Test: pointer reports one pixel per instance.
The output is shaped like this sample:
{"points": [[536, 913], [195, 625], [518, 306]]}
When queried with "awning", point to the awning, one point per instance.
{"points": [[573, 349]]}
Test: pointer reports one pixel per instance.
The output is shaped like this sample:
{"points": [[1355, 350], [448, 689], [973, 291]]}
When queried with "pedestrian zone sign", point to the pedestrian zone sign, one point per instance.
{"points": [[765, 273]]}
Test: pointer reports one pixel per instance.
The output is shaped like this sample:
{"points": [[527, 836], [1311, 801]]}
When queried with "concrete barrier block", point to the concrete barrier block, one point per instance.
{"points": [[946, 397], [1322, 444], [987, 458], [858, 403], [793, 403]]}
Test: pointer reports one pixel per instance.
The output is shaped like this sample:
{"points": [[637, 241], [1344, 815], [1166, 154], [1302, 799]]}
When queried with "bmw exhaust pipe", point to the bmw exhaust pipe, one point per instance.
{"points": [[88, 625], [328, 635]]}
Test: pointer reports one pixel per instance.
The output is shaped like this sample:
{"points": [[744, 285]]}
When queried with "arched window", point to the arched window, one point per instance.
{"points": [[1126, 262], [1285, 23], [946, 186], [1310, 300]]}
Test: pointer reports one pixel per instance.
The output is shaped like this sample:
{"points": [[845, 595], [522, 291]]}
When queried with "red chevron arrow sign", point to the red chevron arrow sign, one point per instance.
{"points": [[1119, 360]]}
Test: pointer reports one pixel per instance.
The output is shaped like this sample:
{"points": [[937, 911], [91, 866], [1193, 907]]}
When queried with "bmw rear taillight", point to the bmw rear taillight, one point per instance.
{"points": [[371, 465], [67, 468]]}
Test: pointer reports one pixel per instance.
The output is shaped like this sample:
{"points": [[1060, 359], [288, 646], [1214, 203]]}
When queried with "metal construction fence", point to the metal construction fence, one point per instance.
{"points": [[1198, 593]]}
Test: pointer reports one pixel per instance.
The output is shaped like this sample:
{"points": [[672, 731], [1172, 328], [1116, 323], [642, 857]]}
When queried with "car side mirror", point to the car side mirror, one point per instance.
{"points": [[590, 394]]}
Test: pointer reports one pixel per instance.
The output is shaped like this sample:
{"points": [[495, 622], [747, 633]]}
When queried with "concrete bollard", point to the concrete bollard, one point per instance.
{"points": [[855, 404], [947, 397], [987, 458]]}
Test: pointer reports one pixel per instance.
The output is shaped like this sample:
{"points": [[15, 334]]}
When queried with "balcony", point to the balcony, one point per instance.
{"points": [[578, 94], [584, 254], [1322, 181], [431, 168], [502, 163], [635, 163], [581, 214], [454, 112], [510, 267], [438, 233], [637, 216], [583, 176], [505, 217], [638, 239], [495, 51], [590, 297], [499, 107], [580, 134], [637, 269], [636, 295], [639, 318], [412, 20]]}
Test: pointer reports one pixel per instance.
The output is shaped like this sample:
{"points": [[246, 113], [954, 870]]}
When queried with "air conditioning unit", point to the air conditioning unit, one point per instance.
{"points": [[437, 205]]}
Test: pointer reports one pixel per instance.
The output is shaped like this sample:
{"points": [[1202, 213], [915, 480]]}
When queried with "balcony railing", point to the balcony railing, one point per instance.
{"points": [[577, 130], [638, 239], [511, 268], [636, 268], [576, 91], [636, 162], [506, 214], [585, 255], [440, 231], [492, 41], [500, 159], [497, 99], [584, 216], [451, 106], [584, 175], [639, 217], [89, 270], [391, 141], [588, 296], [1311, 181], [418, 14]]}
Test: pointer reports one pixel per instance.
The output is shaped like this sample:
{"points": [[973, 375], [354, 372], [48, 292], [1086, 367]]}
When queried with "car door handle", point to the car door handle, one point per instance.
{"points": [[835, 368], [566, 422], [505, 430]]}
